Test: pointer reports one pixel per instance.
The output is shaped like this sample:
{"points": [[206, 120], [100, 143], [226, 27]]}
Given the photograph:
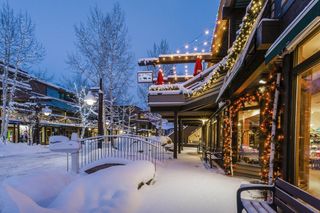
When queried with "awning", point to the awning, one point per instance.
{"points": [[297, 27]]}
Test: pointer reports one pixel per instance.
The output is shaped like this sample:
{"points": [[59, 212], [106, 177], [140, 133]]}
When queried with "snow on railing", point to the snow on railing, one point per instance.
{"points": [[130, 147]]}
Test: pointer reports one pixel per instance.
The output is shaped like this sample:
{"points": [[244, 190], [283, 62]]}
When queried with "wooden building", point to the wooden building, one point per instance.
{"points": [[236, 97]]}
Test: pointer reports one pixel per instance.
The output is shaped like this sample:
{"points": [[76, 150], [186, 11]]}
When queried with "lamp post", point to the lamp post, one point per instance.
{"points": [[37, 110], [91, 100]]}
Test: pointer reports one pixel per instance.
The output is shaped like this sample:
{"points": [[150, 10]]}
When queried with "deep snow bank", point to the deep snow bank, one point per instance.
{"points": [[28, 192], [108, 190]]}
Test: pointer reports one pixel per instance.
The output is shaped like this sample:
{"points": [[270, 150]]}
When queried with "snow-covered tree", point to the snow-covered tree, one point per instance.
{"points": [[84, 110], [18, 49], [103, 52]]}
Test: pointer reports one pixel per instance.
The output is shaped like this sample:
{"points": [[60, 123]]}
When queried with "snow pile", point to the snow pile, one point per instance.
{"points": [[162, 139], [29, 192], [109, 190], [109, 160], [10, 149]]}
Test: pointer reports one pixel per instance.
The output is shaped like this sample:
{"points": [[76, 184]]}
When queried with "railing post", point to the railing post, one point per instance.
{"points": [[75, 162]]}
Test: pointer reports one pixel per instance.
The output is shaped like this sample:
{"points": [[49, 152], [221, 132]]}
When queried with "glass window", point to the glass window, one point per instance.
{"points": [[307, 159], [309, 47], [248, 136]]}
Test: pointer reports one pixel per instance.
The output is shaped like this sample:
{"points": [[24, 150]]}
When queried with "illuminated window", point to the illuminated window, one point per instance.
{"points": [[307, 154], [309, 47]]}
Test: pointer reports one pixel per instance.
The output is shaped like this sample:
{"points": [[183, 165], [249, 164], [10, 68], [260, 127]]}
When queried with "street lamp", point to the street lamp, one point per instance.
{"points": [[90, 99], [46, 111]]}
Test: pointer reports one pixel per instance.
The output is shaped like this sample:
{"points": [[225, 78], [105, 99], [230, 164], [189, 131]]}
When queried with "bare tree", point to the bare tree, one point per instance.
{"points": [[18, 48], [161, 48], [43, 74], [103, 51]]}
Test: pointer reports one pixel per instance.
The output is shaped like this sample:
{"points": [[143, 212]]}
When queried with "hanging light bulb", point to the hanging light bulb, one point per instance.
{"points": [[205, 43], [195, 49], [203, 50], [186, 46], [207, 32], [178, 51]]}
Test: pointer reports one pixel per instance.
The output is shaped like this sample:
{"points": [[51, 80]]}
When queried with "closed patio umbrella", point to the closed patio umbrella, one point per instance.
{"points": [[197, 67]]}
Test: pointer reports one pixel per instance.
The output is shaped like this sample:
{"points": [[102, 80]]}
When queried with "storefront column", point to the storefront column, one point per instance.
{"points": [[14, 136], [288, 145], [180, 135], [18, 133], [175, 145]]}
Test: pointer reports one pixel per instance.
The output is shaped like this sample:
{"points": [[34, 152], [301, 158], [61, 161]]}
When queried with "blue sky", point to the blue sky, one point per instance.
{"points": [[148, 21]]}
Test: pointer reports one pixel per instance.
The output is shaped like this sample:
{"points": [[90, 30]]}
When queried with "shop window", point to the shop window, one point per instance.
{"points": [[307, 154], [248, 136], [309, 47]]}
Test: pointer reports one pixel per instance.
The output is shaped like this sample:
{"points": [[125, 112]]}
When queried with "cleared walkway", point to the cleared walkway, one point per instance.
{"points": [[185, 185]]}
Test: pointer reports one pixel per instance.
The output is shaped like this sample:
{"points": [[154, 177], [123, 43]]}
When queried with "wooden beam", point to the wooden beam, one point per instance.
{"points": [[179, 59]]}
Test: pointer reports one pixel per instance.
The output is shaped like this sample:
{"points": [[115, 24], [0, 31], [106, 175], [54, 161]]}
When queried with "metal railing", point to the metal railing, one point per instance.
{"points": [[129, 147]]}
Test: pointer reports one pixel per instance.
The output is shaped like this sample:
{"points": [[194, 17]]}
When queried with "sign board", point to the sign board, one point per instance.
{"points": [[145, 76]]}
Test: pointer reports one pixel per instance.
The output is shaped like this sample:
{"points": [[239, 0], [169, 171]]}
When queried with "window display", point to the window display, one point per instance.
{"points": [[248, 136], [308, 131]]}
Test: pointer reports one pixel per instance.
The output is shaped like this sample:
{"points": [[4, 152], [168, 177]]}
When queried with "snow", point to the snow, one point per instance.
{"points": [[10, 149], [108, 190], [162, 139], [36, 187], [180, 185], [185, 185], [110, 160]]}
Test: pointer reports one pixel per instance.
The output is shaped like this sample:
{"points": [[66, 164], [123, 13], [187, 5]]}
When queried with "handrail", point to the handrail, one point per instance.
{"points": [[129, 147]]}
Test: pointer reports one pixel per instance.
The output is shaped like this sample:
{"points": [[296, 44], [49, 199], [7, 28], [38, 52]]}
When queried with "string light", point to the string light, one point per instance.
{"points": [[178, 51], [265, 100], [246, 28], [207, 32], [186, 46]]}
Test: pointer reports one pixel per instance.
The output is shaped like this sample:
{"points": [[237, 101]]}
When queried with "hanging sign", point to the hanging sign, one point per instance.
{"points": [[145, 76]]}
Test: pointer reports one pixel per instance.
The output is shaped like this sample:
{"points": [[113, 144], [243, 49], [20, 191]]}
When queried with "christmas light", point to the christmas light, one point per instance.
{"points": [[207, 32]]}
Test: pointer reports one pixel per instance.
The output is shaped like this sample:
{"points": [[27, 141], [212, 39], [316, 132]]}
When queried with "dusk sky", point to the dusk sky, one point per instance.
{"points": [[148, 21]]}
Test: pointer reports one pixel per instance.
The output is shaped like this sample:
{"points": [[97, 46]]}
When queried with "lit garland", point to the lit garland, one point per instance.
{"points": [[266, 99], [253, 10]]}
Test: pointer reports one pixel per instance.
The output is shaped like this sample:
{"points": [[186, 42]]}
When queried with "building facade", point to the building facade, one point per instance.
{"points": [[261, 99]]}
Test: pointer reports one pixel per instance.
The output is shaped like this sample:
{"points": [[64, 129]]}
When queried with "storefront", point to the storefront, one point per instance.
{"points": [[307, 114]]}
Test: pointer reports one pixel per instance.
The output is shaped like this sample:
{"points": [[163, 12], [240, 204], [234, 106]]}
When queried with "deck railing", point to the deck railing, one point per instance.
{"points": [[130, 147]]}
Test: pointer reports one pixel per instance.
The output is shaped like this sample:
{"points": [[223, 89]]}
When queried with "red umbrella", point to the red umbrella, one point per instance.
{"points": [[160, 77], [197, 67]]}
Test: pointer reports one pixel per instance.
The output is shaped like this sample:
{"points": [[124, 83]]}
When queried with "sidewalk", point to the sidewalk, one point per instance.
{"points": [[185, 185]]}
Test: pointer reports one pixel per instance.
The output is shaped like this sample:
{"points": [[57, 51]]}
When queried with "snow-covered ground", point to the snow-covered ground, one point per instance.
{"points": [[185, 185], [19, 159], [180, 185]]}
